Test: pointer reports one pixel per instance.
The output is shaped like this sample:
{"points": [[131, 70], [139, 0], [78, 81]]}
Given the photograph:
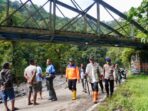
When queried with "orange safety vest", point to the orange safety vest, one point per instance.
{"points": [[72, 72]]}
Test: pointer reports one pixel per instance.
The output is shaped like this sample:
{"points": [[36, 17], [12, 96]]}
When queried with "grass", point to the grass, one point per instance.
{"points": [[130, 96]]}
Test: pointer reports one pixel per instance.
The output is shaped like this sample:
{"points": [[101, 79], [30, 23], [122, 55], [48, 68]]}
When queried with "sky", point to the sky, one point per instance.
{"points": [[121, 5]]}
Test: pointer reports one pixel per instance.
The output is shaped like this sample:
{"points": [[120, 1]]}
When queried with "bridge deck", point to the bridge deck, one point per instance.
{"points": [[26, 34]]}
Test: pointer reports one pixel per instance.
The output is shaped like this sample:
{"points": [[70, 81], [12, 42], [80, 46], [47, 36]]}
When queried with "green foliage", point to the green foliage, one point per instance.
{"points": [[126, 56], [120, 55], [98, 53], [115, 55], [2, 5], [5, 52], [19, 53], [16, 20], [131, 96], [2, 1], [141, 16]]}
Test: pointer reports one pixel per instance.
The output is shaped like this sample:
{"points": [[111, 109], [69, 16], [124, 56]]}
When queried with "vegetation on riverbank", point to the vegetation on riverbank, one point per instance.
{"points": [[130, 96]]}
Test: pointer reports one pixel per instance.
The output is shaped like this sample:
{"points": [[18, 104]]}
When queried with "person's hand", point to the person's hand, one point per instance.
{"points": [[2, 87], [78, 81], [85, 74], [102, 77], [26, 77], [29, 82]]}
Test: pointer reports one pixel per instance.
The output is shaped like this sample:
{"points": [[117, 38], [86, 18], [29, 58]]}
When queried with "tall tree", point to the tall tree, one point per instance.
{"points": [[140, 14]]}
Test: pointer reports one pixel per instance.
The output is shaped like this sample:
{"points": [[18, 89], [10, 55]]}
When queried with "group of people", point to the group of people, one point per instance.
{"points": [[94, 73], [33, 75]]}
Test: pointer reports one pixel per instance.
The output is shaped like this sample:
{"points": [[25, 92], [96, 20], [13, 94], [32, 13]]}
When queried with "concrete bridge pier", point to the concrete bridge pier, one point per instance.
{"points": [[139, 62]]}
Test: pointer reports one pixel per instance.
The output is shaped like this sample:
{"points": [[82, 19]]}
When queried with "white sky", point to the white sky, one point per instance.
{"points": [[121, 5]]}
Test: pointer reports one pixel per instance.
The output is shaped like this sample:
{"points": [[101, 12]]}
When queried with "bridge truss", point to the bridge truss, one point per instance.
{"points": [[83, 28]]}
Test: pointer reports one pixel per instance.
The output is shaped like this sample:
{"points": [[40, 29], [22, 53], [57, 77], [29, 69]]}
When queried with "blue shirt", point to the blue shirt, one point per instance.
{"points": [[38, 73], [50, 69]]}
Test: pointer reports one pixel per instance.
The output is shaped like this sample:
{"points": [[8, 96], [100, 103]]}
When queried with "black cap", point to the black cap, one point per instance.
{"points": [[6, 65]]}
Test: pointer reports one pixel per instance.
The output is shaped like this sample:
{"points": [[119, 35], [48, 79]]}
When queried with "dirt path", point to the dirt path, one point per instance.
{"points": [[64, 103]]}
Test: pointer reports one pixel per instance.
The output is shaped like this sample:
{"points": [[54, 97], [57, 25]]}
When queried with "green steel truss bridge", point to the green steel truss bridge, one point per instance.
{"points": [[91, 31]]}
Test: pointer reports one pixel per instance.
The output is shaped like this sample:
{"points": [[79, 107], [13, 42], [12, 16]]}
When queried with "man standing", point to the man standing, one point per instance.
{"points": [[101, 78], [92, 72], [6, 87], [82, 76], [108, 70], [30, 75], [50, 75], [72, 74], [117, 74], [39, 78]]}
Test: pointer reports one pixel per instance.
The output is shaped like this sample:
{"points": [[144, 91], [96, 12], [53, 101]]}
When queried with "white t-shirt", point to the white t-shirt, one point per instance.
{"points": [[92, 71], [29, 71]]}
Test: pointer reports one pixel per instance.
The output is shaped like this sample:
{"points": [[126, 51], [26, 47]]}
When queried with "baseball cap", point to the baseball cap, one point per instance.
{"points": [[107, 59]]}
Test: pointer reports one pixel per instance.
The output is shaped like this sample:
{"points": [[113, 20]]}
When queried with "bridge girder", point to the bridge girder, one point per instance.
{"points": [[53, 34], [20, 34]]}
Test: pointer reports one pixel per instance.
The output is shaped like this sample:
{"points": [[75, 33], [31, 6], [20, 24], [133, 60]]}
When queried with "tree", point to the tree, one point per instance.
{"points": [[140, 14]]}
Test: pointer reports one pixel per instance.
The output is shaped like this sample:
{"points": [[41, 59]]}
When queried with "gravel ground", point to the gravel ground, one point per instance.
{"points": [[64, 103]]}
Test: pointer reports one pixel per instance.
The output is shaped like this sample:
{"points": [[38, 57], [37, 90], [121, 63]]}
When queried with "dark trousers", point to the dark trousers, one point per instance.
{"points": [[94, 86], [118, 79], [72, 84], [49, 83], [109, 84], [83, 84], [101, 85]]}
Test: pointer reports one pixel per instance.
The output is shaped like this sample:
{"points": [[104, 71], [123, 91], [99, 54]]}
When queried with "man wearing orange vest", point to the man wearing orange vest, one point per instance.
{"points": [[72, 75]]}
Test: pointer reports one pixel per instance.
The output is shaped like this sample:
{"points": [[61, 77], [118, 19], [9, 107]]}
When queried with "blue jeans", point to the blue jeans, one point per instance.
{"points": [[7, 93]]}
